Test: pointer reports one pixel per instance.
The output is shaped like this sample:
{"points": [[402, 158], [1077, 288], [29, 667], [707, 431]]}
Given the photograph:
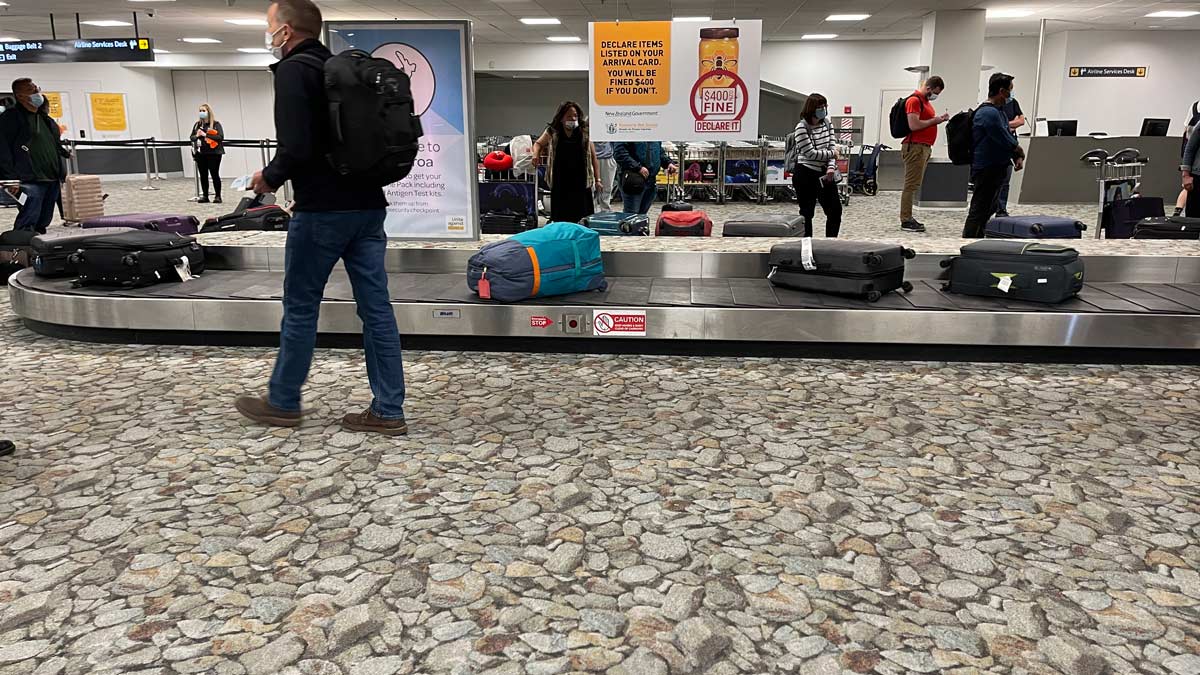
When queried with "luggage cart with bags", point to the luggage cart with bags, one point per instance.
{"points": [[699, 171], [742, 171], [1118, 177]]}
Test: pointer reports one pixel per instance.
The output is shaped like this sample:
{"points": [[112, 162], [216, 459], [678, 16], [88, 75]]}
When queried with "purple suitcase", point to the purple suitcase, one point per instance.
{"points": [[161, 222]]}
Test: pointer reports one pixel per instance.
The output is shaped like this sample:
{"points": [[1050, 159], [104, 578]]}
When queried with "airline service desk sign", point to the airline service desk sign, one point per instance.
{"points": [[1107, 71], [97, 50], [675, 81]]}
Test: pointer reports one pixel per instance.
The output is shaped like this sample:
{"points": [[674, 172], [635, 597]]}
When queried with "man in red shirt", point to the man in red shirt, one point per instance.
{"points": [[923, 122]]}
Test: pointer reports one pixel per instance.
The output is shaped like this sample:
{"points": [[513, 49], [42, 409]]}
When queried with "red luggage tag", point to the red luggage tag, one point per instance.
{"points": [[485, 286]]}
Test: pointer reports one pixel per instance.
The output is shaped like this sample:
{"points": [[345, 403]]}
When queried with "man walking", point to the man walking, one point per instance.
{"points": [[335, 217], [995, 151], [917, 146], [1016, 120], [31, 151]]}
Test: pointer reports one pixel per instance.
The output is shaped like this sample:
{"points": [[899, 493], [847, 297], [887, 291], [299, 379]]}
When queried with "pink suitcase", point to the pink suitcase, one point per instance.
{"points": [[161, 222]]}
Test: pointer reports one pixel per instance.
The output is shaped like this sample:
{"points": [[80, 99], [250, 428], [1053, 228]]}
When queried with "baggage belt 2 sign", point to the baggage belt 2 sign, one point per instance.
{"points": [[666, 81]]}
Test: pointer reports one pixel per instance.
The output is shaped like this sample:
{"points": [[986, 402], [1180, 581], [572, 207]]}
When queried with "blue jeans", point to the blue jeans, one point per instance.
{"points": [[315, 242], [40, 199], [640, 203], [1004, 192]]}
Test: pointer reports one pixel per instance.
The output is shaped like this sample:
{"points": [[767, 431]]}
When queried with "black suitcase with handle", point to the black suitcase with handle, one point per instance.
{"points": [[1167, 227], [1034, 272], [764, 225], [52, 251], [857, 268], [137, 258]]}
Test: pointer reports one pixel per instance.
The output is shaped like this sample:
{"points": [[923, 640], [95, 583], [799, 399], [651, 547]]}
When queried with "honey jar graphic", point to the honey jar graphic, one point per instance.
{"points": [[718, 51]]}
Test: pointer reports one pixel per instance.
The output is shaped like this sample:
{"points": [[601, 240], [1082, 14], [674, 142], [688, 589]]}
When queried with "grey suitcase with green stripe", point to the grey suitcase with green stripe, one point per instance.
{"points": [[1016, 270]]}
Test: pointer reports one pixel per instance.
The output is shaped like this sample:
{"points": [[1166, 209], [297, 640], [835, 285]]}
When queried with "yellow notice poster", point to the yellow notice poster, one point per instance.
{"points": [[108, 112], [54, 99], [632, 63]]}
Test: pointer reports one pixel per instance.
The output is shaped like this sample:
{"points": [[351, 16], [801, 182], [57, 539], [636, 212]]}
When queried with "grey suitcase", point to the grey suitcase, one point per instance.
{"points": [[858, 268], [765, 225]]}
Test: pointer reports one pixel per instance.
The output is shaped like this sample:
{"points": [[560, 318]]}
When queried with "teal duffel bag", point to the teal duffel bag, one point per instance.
{"points": [[558, 259]]}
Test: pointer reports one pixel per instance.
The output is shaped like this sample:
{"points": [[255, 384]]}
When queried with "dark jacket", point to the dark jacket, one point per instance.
{"points": [[204, 147], [994, 144], [1191, 154], [15, 134], [633, 156], [303, 130]]}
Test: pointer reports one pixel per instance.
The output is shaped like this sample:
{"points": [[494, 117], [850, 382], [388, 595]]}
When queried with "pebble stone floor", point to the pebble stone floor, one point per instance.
{"points": [[596, 514]]}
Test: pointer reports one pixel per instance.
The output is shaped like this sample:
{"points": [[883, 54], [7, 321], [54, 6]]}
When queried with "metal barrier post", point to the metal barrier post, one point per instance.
{"points": [[196, 166], [146, 161], [154, 155], [73, 160]]}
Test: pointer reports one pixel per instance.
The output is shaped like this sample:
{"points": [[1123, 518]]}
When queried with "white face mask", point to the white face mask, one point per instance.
{"points": [[571, 124], [932, 97], [203, 115], [269, 43]]}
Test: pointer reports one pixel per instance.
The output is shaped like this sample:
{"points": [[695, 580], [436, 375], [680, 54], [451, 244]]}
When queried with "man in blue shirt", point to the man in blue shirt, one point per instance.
{"points": [[995, 149], [1016, 120]]}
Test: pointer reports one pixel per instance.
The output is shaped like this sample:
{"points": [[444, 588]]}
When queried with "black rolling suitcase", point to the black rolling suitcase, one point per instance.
{"points": [[1012, 269], [506, 223], [1168, 227], [858, 268], [764, 225], [52, 252], [138, 258], [15, 252], [677, 206], [251, 215], [1122, 216]]}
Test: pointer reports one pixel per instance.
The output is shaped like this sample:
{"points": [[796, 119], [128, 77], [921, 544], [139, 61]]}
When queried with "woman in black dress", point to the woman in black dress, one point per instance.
{"points": [[572, 170]]}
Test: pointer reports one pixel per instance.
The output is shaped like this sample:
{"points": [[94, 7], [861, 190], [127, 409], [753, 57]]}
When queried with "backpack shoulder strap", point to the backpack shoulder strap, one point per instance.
{"points": [[311, 60]]}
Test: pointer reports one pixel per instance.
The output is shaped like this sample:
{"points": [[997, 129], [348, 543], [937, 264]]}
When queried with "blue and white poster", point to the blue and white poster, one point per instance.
{"points": [[439, 199]]}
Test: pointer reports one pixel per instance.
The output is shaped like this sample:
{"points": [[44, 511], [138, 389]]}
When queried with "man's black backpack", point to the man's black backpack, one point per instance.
{"points": [[376, 132], [959, 137], [898, 118]]}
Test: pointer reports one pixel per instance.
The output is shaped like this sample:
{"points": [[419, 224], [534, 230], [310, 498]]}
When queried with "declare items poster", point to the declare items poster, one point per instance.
{"points": [[439, 199], [675, 81]]}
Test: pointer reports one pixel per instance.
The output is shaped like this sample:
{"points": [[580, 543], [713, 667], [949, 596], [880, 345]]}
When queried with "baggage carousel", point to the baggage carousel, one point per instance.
{"points": [[1133, 308]]}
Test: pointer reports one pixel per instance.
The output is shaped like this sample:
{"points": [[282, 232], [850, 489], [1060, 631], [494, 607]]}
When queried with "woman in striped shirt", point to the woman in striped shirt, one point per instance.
{"points": [[814, 174]]}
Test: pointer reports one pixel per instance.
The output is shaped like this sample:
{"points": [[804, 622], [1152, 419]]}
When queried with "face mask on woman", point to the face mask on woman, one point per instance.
{"points": [[821, 113], [571, 124], [203, 115]]}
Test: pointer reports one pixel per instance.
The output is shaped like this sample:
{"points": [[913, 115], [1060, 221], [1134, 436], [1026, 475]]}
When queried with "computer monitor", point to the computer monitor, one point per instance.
{"points": [[1155, 126], [1062, 127]]}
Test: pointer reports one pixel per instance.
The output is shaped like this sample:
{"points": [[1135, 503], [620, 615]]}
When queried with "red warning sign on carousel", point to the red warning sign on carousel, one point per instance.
{"points": [[678, 81], [619, 323]]}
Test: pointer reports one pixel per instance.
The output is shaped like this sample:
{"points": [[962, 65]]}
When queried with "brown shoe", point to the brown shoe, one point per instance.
{"points": [[258, 409], [367, 421]]}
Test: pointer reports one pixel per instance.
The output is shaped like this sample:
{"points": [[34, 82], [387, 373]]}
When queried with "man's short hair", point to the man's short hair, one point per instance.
{"points": [[302, 15], [999, 81], [21, 84], [935, 82]]}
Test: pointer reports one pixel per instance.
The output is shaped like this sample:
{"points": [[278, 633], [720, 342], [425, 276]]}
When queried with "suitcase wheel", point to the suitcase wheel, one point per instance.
{"points": [[1036, 229], [873, 259], [909, 254], [946, 263], [874, 296], [907, 287]]}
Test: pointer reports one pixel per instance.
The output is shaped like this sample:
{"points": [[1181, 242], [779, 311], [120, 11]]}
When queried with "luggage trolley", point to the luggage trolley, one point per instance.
{"points": [[742, 171], [843, 167], [1119, 177], [777, 181], [508, 202], [699, 168]]}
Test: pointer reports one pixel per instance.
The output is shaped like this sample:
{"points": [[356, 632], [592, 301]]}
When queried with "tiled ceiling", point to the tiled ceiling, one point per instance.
{"points": [[497, 21]]}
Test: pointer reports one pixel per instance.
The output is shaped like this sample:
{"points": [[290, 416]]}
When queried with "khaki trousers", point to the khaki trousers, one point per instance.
{"points": [[915, 157]]}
